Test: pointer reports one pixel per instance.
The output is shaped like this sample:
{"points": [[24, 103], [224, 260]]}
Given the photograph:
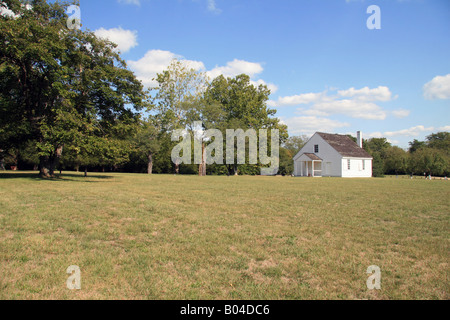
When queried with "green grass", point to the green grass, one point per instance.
{"points": [[188, 237]]}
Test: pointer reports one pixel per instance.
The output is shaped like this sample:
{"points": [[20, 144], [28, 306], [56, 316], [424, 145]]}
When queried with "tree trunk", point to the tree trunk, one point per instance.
{"points": [[59, 151], [45, 167], [85, 171], [2, 163], [177, 168], [47, 164], [204, 159], [150, 163], [202, 166]]}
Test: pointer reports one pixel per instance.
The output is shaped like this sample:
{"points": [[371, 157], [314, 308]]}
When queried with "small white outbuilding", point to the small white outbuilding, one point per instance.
{"points": [[333, 155]]}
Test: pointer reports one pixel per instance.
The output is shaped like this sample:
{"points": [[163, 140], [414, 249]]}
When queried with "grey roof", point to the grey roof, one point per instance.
{"points": [[344, 145], [312, 156]]}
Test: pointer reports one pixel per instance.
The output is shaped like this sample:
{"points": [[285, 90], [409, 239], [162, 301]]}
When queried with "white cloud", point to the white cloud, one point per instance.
{"points": [[125, 39], [236, 67], [410, 132], [211, 4], [401, 113], [438, 88], [393, 142], [351, 108], [272, 87], [156, 61], [213, 7], [135, 2], [356, 103], [375, 135], [366, 94], [304, 98], [310, 124], [445, 128]]}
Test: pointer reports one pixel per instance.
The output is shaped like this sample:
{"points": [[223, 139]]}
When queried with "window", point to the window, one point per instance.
{"points": [[348, 164], [316, 148], [364, 165]]}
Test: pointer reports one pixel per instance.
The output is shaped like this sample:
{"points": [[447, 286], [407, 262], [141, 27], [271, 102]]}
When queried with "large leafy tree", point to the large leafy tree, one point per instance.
{"points": [[439, 140], [378, 148], [396, 161], [178, 101], [295, 143], [290, 148], [430, 162], [61, 88], [416, 145], [145, 142], [431, 156], [178, 95], [241, 100], [242, 106]]}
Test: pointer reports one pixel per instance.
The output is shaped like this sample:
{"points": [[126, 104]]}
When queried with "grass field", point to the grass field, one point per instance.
{"points": [[187, 237]]}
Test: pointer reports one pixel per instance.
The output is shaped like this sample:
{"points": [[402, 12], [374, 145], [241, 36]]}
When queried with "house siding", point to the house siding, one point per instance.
{"points": [[326, 152], [356, 168], [331, 158]]}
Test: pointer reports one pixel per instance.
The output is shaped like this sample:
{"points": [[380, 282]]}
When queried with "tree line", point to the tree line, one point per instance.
{"points": [[429, 157], [69, 102]]}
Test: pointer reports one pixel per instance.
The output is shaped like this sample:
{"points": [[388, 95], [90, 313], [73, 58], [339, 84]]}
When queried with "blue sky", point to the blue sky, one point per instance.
{"points": [[327, 70]]}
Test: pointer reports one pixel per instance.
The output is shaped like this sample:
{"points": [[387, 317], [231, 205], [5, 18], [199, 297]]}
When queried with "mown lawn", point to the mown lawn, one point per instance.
{"points": [[187, 237]]}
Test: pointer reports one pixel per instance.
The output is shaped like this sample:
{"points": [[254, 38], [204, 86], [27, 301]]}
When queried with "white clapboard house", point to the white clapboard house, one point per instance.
{"points": [[333, 155]]}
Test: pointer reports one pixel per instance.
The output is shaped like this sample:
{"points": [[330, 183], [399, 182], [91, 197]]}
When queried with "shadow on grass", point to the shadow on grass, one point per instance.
{"points": [[59, 177]]}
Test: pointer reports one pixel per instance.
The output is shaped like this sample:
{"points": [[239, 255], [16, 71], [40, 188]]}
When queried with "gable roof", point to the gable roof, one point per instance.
{"points": [[344, 145], [312, 156]]}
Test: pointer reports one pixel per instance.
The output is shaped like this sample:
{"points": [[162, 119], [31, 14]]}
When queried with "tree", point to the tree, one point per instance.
{"points": [[440, 140], [396, 161], [286, 161], [2, 160], [178, 97], [145, 142], [431, 156], [240, 100], [62, 88], [380, 145], [430, 161], [416, 145], [378, 148], [243, 106], [295, 143]]}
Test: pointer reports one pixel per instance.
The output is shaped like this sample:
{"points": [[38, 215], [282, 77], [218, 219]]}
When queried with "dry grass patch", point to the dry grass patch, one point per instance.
{"points": [[186, 237]]}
